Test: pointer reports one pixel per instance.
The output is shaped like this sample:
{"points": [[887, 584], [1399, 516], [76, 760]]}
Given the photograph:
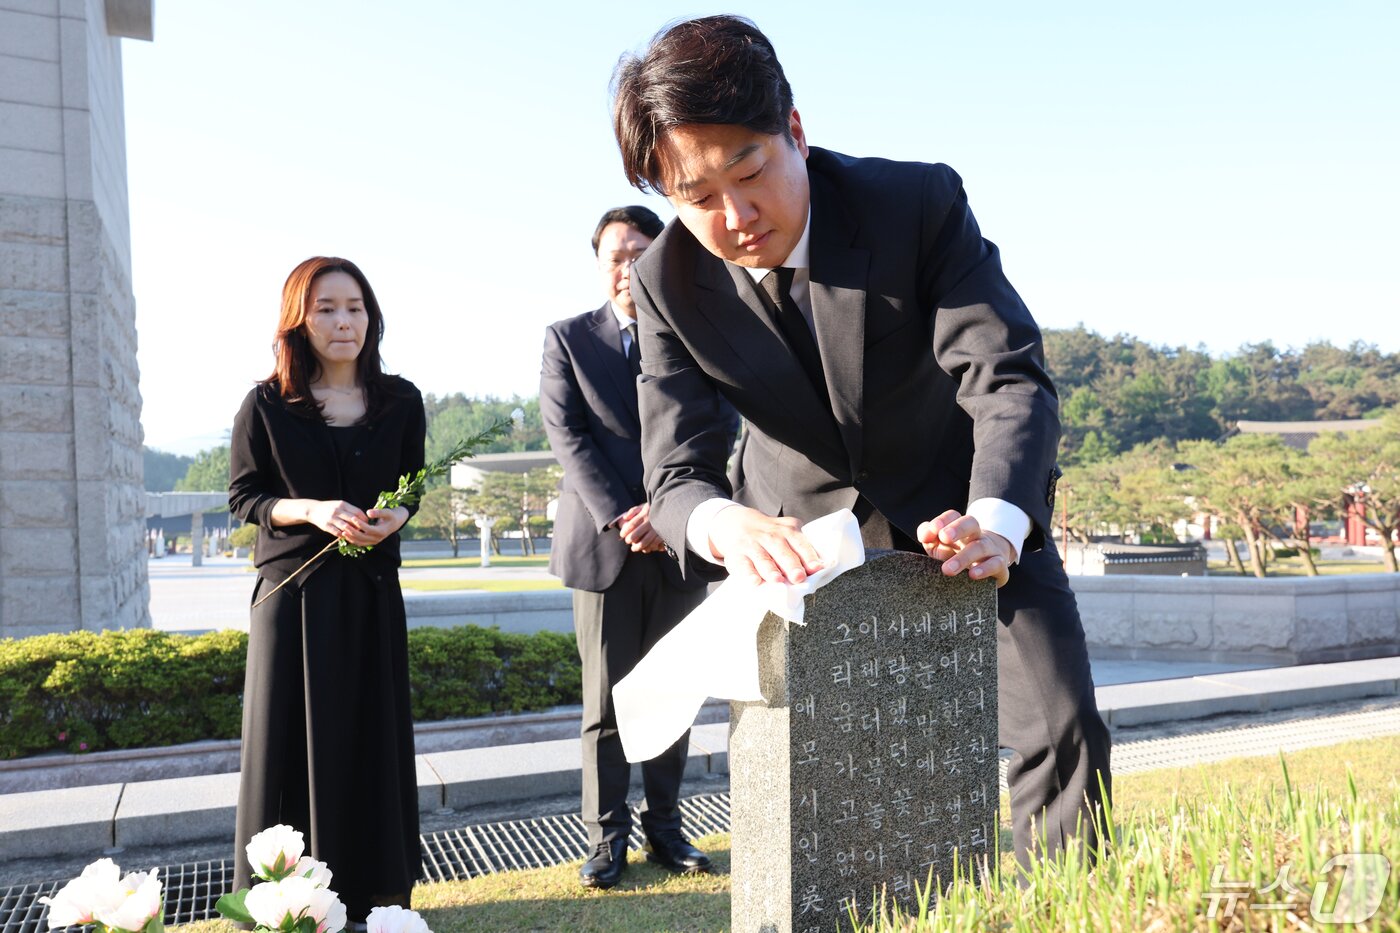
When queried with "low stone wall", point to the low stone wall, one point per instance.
{"points": [[1290, 620], [1281, 620]]}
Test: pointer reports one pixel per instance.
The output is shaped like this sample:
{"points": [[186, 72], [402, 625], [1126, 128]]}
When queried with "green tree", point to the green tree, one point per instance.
{"points": [[1239, 481], [444, 510], [1149, 495], [1134, 491], [495, 500], [1366, 464], [1085, 501], [1349, 382], [163, 470], [453, 417], [208, 472]]}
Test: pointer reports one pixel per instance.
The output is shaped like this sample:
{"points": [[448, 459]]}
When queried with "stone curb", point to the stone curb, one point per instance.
{"points": [[1246, 691]]}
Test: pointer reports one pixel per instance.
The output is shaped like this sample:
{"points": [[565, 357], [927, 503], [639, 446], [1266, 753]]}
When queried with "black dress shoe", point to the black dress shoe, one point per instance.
{"points": [[669, 849], [605, 866]]}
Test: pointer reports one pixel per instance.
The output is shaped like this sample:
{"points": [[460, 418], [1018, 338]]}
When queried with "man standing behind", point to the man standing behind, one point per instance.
{"points": [[627, 593], [854, 315]]}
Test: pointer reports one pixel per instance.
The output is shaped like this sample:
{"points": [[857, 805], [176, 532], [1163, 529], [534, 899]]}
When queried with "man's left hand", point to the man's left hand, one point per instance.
{"points": [[959, 541]]}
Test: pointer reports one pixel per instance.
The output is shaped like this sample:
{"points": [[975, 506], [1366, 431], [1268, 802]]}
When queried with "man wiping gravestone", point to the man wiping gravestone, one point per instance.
{"points": [[851, 311]]}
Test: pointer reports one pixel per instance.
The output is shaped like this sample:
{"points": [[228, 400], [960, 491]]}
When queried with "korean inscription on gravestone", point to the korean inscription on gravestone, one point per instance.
{"points": [[893, 729]]}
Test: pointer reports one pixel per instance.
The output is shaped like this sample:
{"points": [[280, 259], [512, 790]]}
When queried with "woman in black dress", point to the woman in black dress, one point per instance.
{"points": [[327, 727]]}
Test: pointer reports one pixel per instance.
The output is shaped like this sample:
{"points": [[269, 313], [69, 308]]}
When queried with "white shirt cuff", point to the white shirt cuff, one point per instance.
{"points": [[697, 527], [1002, 517]]}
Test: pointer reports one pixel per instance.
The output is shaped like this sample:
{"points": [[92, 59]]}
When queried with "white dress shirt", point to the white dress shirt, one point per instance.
{"points": [[996, 515], [624, 322]]}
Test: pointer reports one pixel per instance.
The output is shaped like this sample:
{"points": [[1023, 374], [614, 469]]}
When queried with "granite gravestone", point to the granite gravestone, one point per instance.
{"points": [[871, 763]]}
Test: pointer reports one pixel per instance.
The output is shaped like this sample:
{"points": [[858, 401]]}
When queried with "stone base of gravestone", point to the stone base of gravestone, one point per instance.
{"points": [[871, 764]]}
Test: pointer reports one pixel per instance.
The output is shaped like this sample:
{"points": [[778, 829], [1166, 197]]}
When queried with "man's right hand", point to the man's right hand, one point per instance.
{"points": [[762, 548]]}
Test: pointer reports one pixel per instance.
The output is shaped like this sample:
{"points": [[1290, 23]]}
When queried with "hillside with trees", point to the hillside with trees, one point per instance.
{"points": [[1119, 392], [1145, 441]]}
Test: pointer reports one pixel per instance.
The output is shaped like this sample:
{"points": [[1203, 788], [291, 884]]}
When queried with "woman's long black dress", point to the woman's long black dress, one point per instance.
{"points": [[327, 725]]}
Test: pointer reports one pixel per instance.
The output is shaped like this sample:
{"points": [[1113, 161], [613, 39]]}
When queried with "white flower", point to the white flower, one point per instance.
{"points": [[328, 911], [272, 902], [77, 902], [274, 851], [142, 901], [395, 920], [318, 872]]}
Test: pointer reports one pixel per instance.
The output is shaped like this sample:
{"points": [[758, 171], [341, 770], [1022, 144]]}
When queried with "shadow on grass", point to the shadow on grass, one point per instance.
{"points": [[648, 899]]}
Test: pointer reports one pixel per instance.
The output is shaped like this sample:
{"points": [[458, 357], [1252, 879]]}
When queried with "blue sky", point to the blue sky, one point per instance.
{"points": [[1197, 173]]}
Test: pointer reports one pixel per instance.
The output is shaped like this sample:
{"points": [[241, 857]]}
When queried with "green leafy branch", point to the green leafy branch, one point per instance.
{"points": [[409, 491]]}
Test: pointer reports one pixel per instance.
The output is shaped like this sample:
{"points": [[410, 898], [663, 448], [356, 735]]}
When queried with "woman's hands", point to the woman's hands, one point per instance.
{"points": [[348, 521]]}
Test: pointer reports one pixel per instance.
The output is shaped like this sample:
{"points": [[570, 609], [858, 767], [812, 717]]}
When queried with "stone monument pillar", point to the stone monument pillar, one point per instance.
{"points": [[871, 764], [484, 525], [197, 539], [72, 507]]}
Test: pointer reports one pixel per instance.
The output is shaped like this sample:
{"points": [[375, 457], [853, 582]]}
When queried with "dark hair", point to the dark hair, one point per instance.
{"points": [[639, 218], [296, 365], [717, 69]]}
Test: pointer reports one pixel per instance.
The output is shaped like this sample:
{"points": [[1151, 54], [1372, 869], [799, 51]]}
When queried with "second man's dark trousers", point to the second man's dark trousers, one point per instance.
{"points": [[615, 628]]}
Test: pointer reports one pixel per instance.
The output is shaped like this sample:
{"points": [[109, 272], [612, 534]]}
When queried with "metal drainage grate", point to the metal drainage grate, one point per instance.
{"points": [[192, 889], [554, 840], [20, 910], [1253, 741]]}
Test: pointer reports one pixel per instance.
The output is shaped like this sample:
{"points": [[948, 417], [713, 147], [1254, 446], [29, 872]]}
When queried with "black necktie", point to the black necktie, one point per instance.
{"points": [[634, 351], [777, 286]]}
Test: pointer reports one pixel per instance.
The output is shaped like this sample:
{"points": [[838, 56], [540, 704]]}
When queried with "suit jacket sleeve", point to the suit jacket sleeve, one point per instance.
{"points": [[415, 437], [984, 338], [251, 470], [688, 432], [562, 407]]}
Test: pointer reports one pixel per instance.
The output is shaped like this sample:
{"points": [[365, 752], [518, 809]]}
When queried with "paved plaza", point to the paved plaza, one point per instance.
{"points": [[216, 596]]}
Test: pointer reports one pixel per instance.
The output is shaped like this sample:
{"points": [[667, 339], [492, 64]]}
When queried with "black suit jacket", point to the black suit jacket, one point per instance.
{"points": [[933, 365], [588, 400], [276, 453]]}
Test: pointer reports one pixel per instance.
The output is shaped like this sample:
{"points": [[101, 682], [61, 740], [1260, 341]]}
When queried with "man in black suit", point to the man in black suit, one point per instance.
{"points": [[854, 315], [627, 593]]}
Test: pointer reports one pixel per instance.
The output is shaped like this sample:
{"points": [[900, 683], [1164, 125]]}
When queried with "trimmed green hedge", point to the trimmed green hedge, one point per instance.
{"points": [[85, 691]]}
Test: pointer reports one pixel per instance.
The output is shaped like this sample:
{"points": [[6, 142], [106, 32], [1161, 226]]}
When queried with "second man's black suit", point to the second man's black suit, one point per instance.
{"points": [[623, 601]]}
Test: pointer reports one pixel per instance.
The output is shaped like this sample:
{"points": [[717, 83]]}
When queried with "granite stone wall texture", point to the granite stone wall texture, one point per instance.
{"points": [[1283, 620], [72, 507], [871, 764]]}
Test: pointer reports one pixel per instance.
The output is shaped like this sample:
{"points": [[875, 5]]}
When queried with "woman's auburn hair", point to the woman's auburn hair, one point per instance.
{"points": [[296, 366]]}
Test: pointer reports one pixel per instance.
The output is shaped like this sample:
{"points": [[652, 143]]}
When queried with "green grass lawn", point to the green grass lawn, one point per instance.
{"points": [[491, 586], [474, 560], [1172, 828], [1294, 567]]}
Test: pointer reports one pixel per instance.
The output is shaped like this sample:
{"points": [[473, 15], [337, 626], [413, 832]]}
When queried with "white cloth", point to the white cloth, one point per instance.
{"points": [[713, 652], [996, 515]]}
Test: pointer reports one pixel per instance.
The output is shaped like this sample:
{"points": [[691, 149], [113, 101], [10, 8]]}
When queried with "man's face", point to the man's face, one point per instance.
{"points": [[742, 194], [619, 246]]}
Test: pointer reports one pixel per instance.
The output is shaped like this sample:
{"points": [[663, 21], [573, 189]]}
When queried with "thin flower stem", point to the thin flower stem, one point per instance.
{"points": [[295, 572]]}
